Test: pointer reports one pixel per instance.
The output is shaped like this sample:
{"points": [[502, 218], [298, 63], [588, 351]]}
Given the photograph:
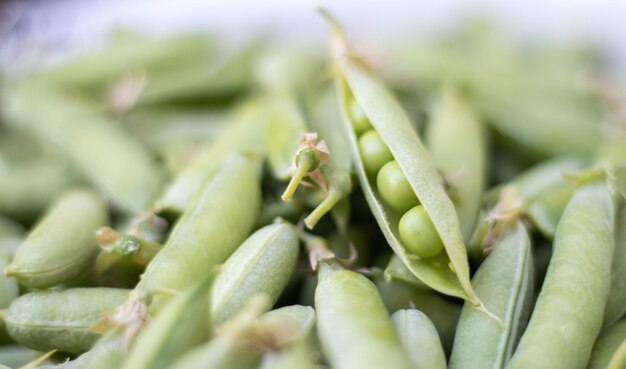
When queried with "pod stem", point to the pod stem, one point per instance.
{"points": [[301, 171], [324, 207]]}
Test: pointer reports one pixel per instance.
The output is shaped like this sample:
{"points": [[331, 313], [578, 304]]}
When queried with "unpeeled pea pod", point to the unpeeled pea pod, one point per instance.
{"points": [[569, 310], [9, 290], [208, 232], [107, 353], [297, 355], [446, 272], [463, 163], [182, 324], [616, 302], [245, 132], [419, 336], [300, 318], [485, 343], [14, 356], [606, 345], [62, 245], [262, 264], [109, 158], [60, 320], [353, 326]]}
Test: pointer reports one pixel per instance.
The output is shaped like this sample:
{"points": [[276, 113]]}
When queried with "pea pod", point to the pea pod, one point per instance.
{"points": [[302, 318], [109, 158], [182, 324], [419, 336], [352, 323], [606, 345], [15, 356], [62, 245], [245, 132], [616, 303], [9, 290], [208, 232], [397, 271], [297, 355], [561, 331], [464, 162], [107, 353], [448, 272], [262, 264], [504, 282], [116, 247], [60, 320]]}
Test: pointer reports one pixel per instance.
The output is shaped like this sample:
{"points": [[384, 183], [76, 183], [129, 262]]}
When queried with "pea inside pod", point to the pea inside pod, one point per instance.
{"points": [[447, 272]]}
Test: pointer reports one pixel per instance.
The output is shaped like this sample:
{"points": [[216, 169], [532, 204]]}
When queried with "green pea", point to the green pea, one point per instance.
{"points": [[374, 152], [360, 121], [60, 320], [62, 245], [394, 188], [569, 310], [418, 234]]}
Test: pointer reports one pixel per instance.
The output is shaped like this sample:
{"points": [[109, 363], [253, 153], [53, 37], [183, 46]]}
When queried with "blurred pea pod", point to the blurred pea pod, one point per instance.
{"points": [[107, 353], [15, 356], [616, 302], [182, 324], [607, 345], [262, 264], [62, 246], [125, 247], [484, 343], [207, 233], [129, 52], [297, 355], [457, 144], [29, 187], [108, 157], [245, 132], [419, 336], [60, 320]]}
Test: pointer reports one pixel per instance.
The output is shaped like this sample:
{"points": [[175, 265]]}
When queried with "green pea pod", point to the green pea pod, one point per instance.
{"points": [[15, 356], [395, 129], [561, 331], [442, 312], [107, 353], [504, 282], [262, 264], [301, 318], [287, 70], [606, 345], [419, 336], [125, 247], [297, 355], [29, 188], [337, 171], [245, 132], [60, 320], [286, 125], [208, 232], [9, 290], [182, 324], [456, 141], [62, 245], [353, 326], [397, 271], [616, 303], [108, 157], [232, 347]]}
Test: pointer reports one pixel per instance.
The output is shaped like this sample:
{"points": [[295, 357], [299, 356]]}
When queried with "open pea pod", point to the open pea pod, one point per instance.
{"points": [[447, 272]]}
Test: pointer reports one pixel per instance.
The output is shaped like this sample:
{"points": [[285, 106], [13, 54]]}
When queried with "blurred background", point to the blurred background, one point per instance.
{"points": [[36, 30]]}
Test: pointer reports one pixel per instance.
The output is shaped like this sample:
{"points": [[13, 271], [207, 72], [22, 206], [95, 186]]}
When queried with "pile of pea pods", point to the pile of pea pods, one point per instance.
{"points": [[453, 202]]}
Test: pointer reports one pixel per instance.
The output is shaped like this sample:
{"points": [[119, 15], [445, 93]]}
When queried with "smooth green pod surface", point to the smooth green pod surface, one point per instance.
{"points": [[504, 282], [245, 132], [568, 313], [606, 345], [262, 264], [297, 355], [108, 157], [457, 144], [419, 336], [616, 302], [300, 318], [60, 320], [209, 231], [61, 246], [182, 324], [108, 353], [15, 356], [354, 328], [395, 129]]}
